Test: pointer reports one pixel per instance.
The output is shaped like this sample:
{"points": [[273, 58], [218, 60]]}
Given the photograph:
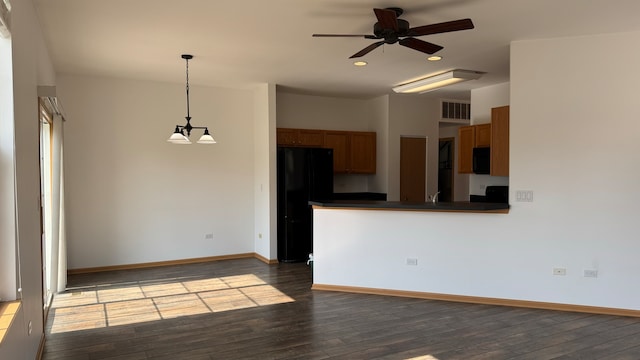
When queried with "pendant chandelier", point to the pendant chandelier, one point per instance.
{"points": [[178, 136]]}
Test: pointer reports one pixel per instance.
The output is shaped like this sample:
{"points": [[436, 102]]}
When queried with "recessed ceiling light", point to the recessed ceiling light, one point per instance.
{"points": [[360, 63], [434, 58]]}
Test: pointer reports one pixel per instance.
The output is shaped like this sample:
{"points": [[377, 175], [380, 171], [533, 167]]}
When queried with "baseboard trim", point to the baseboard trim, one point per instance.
{"points": [[265, 260], [163, 263], [481, 300]]}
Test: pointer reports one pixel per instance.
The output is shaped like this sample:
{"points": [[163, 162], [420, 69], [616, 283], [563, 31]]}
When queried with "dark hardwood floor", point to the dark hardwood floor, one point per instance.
{"points": [[245, 309]]}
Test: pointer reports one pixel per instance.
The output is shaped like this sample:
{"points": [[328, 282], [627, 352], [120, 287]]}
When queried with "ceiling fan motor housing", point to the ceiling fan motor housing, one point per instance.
{"points": [[389, 35]]}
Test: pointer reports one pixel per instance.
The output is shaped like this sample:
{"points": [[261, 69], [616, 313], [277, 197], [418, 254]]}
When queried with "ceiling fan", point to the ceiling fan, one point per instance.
{"points": [[390, 30]]}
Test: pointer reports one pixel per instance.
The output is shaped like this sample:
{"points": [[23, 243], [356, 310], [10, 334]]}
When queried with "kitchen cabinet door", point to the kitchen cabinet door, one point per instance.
{"points": [[339, 142], [310, 138], [299, 137], [286, 137], [500, 141], [483, 135], [466, 141], [362, 151], [354, 152]]}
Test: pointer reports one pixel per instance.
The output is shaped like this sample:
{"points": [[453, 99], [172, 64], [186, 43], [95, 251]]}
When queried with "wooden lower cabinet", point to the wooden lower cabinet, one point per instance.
{"points": [[354, 152]]}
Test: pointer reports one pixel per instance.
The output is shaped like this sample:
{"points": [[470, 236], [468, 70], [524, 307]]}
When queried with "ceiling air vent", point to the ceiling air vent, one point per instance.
{"points": [[456, 112]]}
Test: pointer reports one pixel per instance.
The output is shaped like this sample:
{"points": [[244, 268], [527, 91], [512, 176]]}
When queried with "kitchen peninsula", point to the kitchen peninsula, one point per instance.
{"points": [[404, 248]]}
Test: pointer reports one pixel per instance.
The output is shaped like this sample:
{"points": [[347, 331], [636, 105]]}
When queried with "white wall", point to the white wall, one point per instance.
{"points": [[413, 115], [135, 198], [486, 98], [482, 101], [322, 112], [379, 122], [30, 69], [265, 187], [574, 142]]}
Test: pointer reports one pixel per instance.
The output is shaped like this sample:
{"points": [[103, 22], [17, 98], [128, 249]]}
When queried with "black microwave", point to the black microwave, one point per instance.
{"points": [[482, 160]]}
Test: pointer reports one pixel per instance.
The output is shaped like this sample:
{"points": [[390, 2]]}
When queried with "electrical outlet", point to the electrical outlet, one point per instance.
{"points": [[559, 271], [259, 235], [208, 236], [412, 261], [590, 273], [524, 195]]}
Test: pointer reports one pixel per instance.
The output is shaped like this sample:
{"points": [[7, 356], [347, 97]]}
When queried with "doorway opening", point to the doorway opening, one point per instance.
{"points": [[445, 168]]}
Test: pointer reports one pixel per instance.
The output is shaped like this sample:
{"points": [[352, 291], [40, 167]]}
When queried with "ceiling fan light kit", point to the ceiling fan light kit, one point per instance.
{"points": [[178, 136], [437, 81]]}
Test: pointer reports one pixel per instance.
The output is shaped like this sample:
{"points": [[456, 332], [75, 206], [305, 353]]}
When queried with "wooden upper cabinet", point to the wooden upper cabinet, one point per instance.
{"points": [[300, 137], [286, 137], [311, 138], [483, 135], [494, 135], [339, 142], [500, 141], [354, 152], [466, 141], [362, 153]]}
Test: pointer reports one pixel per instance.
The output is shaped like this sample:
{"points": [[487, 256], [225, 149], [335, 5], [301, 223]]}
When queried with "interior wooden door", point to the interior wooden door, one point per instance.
{"points": [[413, 156]]}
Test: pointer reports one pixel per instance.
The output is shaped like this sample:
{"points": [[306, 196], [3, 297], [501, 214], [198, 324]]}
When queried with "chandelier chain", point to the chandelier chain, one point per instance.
{"points": [[188, 116]]}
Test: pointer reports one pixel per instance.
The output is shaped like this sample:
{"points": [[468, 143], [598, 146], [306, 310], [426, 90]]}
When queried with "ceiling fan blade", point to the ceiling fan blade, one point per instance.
{"points": [[455, 25], [417, 44], [387, 18], [366, 50], [345, 35]]}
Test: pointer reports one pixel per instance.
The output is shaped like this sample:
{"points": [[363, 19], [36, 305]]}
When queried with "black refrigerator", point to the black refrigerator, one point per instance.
{"points": [[304, 174]]}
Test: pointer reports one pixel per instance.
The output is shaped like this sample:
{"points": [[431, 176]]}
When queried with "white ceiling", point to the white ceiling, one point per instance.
{"points": [[241, 43]]}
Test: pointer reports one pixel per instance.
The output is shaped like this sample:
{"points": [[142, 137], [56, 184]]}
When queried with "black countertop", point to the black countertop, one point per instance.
{"points": [[457, 206]]}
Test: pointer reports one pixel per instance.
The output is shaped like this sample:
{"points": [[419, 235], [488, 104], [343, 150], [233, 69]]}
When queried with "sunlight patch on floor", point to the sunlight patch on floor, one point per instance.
{"points": [[152, 301]]}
